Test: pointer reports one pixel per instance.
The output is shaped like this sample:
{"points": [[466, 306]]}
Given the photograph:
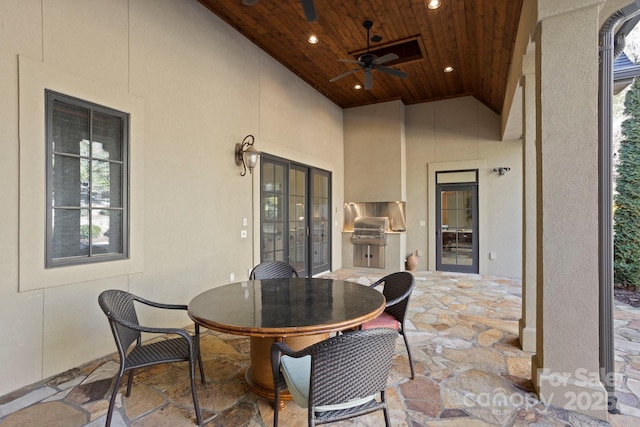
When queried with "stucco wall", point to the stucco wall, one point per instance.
{"points": [[463, 130], [374, 151], [203, 87]]}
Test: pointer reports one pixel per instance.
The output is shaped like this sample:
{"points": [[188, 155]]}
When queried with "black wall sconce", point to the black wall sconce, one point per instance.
{"points": [[502, 170], [246, 155]]}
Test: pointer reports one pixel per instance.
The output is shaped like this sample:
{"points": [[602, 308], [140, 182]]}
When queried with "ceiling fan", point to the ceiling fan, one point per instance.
{"points": [[369, 62], [307, 5]]}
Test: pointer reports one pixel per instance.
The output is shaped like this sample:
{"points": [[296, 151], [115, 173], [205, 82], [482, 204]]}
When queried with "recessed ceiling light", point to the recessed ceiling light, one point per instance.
{"points": [[357, 87], [448, 69], [433, 4], [313, 39]]}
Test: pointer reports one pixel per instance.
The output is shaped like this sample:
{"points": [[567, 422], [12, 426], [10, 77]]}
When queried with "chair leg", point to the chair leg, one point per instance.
{"points": [[129, 382], [276, 404], [194, 393], [112, 401], [197, 339], [385, 410], [406, 344], [202, 378]]}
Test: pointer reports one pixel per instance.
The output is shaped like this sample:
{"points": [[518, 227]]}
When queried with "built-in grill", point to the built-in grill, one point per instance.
{"points": [[369, 239], [370, 230]]}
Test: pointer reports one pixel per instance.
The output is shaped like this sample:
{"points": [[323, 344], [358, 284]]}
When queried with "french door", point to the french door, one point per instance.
{"points": [[457, 227], [295, 215]]}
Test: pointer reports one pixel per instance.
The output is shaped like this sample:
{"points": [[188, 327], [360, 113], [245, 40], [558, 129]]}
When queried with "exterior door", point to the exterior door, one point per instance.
{"points": [[320, 255], [298, 219], [295, 215], [457, 227]]}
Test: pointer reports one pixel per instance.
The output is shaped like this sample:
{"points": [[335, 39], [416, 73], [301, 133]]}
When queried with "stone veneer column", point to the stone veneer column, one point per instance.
{"points": [[528, 320], [565, 368]]}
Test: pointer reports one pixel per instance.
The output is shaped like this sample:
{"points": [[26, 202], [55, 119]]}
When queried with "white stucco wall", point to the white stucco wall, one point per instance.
{"points": [[203, 87]]}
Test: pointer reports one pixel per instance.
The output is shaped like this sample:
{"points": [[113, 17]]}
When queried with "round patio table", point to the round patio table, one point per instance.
{"points": [[297, 311]]}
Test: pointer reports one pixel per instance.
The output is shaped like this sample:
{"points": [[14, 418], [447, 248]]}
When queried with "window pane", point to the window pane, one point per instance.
{"points": [[320, 186], [107, 184], [107, 137], [268, 176], [278, 179], [70, 181], [279, 232], [68, 228], [70, 129], [107, 231]]}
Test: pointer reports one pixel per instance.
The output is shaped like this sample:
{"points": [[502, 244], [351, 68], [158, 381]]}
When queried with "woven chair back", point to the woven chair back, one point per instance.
{"points": [[351, 366], [396, 285], [119, 306], [273, 270]]}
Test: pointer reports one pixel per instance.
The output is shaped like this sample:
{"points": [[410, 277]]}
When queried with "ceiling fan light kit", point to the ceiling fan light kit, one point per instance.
{"points": [[369, 62]]}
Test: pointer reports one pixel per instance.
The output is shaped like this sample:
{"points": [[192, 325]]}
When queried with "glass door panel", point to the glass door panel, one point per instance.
{"points": [[273, 212], [457, 242], [321, 222], [298, 221]]}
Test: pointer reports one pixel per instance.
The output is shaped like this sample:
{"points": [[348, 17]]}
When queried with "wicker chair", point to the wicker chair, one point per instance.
{"points": [[120, 310], [338, 378], [397, 291], [272, 270]]}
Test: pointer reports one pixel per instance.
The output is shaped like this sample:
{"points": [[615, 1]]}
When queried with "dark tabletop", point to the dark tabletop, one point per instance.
{"points": [[281, 307]]}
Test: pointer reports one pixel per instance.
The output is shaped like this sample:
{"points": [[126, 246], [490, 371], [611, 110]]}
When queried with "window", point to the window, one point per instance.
{"points": [[87, 182]]}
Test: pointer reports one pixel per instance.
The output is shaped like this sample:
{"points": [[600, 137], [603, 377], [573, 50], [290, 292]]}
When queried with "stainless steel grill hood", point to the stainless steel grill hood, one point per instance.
{"points": [[394, 211]]}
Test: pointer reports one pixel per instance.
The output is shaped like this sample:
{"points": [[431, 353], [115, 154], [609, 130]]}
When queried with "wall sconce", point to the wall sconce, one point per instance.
{"points": [[502, 170], [246, 155]]}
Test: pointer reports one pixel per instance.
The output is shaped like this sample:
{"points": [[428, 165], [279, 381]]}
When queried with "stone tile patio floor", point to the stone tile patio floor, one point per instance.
{"points": [[470, 372]]}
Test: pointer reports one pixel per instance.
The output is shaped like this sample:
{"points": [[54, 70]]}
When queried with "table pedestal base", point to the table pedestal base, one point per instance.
{"points": [[259, 377]]}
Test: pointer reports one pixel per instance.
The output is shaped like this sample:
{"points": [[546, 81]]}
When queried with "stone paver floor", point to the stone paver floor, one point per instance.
{"points": [[470, 372]]}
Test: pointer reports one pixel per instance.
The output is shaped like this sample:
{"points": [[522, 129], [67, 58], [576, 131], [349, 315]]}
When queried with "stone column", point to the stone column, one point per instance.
{"points": [[565, 368], [528, 320]]}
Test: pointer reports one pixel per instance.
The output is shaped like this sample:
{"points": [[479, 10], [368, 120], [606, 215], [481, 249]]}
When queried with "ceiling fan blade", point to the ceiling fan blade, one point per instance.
{"points": [[385, 58], [309, 10], [249, 2], [344, 75], [392, 71], [368, 79]]}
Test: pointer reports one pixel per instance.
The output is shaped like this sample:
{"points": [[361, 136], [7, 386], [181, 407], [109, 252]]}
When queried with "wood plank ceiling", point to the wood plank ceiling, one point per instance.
{"points": [[475, 37]]}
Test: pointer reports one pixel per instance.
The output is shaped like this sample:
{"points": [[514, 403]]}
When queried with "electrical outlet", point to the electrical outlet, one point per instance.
{"points": [[423, 223], [243, 234]]}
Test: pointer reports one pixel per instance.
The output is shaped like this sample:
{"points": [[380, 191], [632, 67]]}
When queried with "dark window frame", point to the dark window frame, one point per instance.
{"points": [[93, 108]]}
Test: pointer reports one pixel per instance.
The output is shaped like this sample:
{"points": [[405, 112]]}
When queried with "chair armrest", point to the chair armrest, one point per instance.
{"points": [[282, 348], [379, 282], [174, 331], [277, 350], [161, 305]]}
